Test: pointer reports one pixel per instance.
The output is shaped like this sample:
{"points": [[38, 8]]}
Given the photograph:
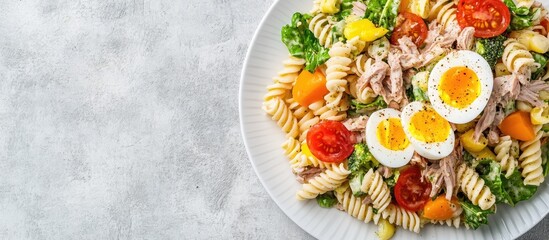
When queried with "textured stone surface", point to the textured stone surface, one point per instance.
{"points": [[119, 119]]}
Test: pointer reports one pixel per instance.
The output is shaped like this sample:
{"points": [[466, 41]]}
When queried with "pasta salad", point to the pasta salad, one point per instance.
{"points": [[415, 112]]}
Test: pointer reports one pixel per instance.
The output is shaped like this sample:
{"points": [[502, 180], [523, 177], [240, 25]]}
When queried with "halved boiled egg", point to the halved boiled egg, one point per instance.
{"points": [[386, 138], [429, 133], [460, 85]]}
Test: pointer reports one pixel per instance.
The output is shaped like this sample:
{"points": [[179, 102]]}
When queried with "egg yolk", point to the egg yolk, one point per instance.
{"points": [[459, 87], [391, 134], [428, 126]]}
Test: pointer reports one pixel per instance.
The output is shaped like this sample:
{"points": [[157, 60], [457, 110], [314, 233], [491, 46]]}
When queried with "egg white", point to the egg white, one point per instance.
{"points": [[473, 61], [433, 151], [387, 157]]}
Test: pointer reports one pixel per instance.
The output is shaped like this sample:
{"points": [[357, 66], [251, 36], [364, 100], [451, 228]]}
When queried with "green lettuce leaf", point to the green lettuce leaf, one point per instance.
{"points": [[383, 13], [521, 17], [302, 43], [490, 171], [362, 108], [515, 188], [545, 158], [474, 217], [345, 9], [542, 61]]}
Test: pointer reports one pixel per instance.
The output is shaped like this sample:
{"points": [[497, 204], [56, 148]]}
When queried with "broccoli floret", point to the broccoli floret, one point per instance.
{"points": [[359, 163], [326, 200], [491, 49]]}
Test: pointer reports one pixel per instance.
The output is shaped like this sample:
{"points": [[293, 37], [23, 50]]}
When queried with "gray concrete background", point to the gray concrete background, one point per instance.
{"points": [[119, 120]]}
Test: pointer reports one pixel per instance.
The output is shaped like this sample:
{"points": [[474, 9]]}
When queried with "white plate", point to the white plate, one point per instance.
{"points": [[263, 138]]}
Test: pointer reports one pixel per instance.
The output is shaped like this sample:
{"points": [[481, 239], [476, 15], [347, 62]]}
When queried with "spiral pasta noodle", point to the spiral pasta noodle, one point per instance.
{"points": [[313, 161], [377, 189], [285, 79], [445, 13], [305, 123], [503, 155], [316, 7], [322, 29], [356, 208], [473, 186], [326, 181], [530, 159], [282, 115], [452, 222], [305, 117], [298, 110], [402, 217], [361, 64], [337, 68], [292, 149], [364, 95], [357, 46], [320, 109], [516, 56]]}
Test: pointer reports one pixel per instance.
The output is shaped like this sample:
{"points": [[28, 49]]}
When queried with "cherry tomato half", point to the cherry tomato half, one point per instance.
{"points": [[330, 141], [490, 18], [411, 25], [410, 191]]}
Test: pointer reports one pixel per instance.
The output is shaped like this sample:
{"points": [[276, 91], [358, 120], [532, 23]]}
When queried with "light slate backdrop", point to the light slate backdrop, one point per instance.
{"points": [[119, 119]]}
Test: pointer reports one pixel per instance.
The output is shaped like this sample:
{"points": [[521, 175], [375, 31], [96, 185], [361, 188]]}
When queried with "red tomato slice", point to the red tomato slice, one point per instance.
{"points": [[490, 18], [410, 192], [411, 25], [330, 141]]}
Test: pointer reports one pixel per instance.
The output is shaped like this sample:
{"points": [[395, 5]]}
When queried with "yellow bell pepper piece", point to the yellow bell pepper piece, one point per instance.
{"points": [[470, 144], [329, 6], [465, 126], [385, 230], [539, 115], [305, 150], [417, 7], [484, 153], [365, 30]]}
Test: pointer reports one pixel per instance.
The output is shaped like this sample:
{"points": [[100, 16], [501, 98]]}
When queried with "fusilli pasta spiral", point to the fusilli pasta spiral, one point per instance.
{"points": [[283, 82], [298, 110], [316, 7], [320, 109], [473, 186], [292, 149], [282, 114], [356, 208], [326, 181], [516, 57], [530, 159], [305, 117], [402, 217], [338, 66], [360, 64], [357, 46], [452, 222], [322, 29], [305, 123], [375, 187], [444, 12], [503, 155], [313, 161]]}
